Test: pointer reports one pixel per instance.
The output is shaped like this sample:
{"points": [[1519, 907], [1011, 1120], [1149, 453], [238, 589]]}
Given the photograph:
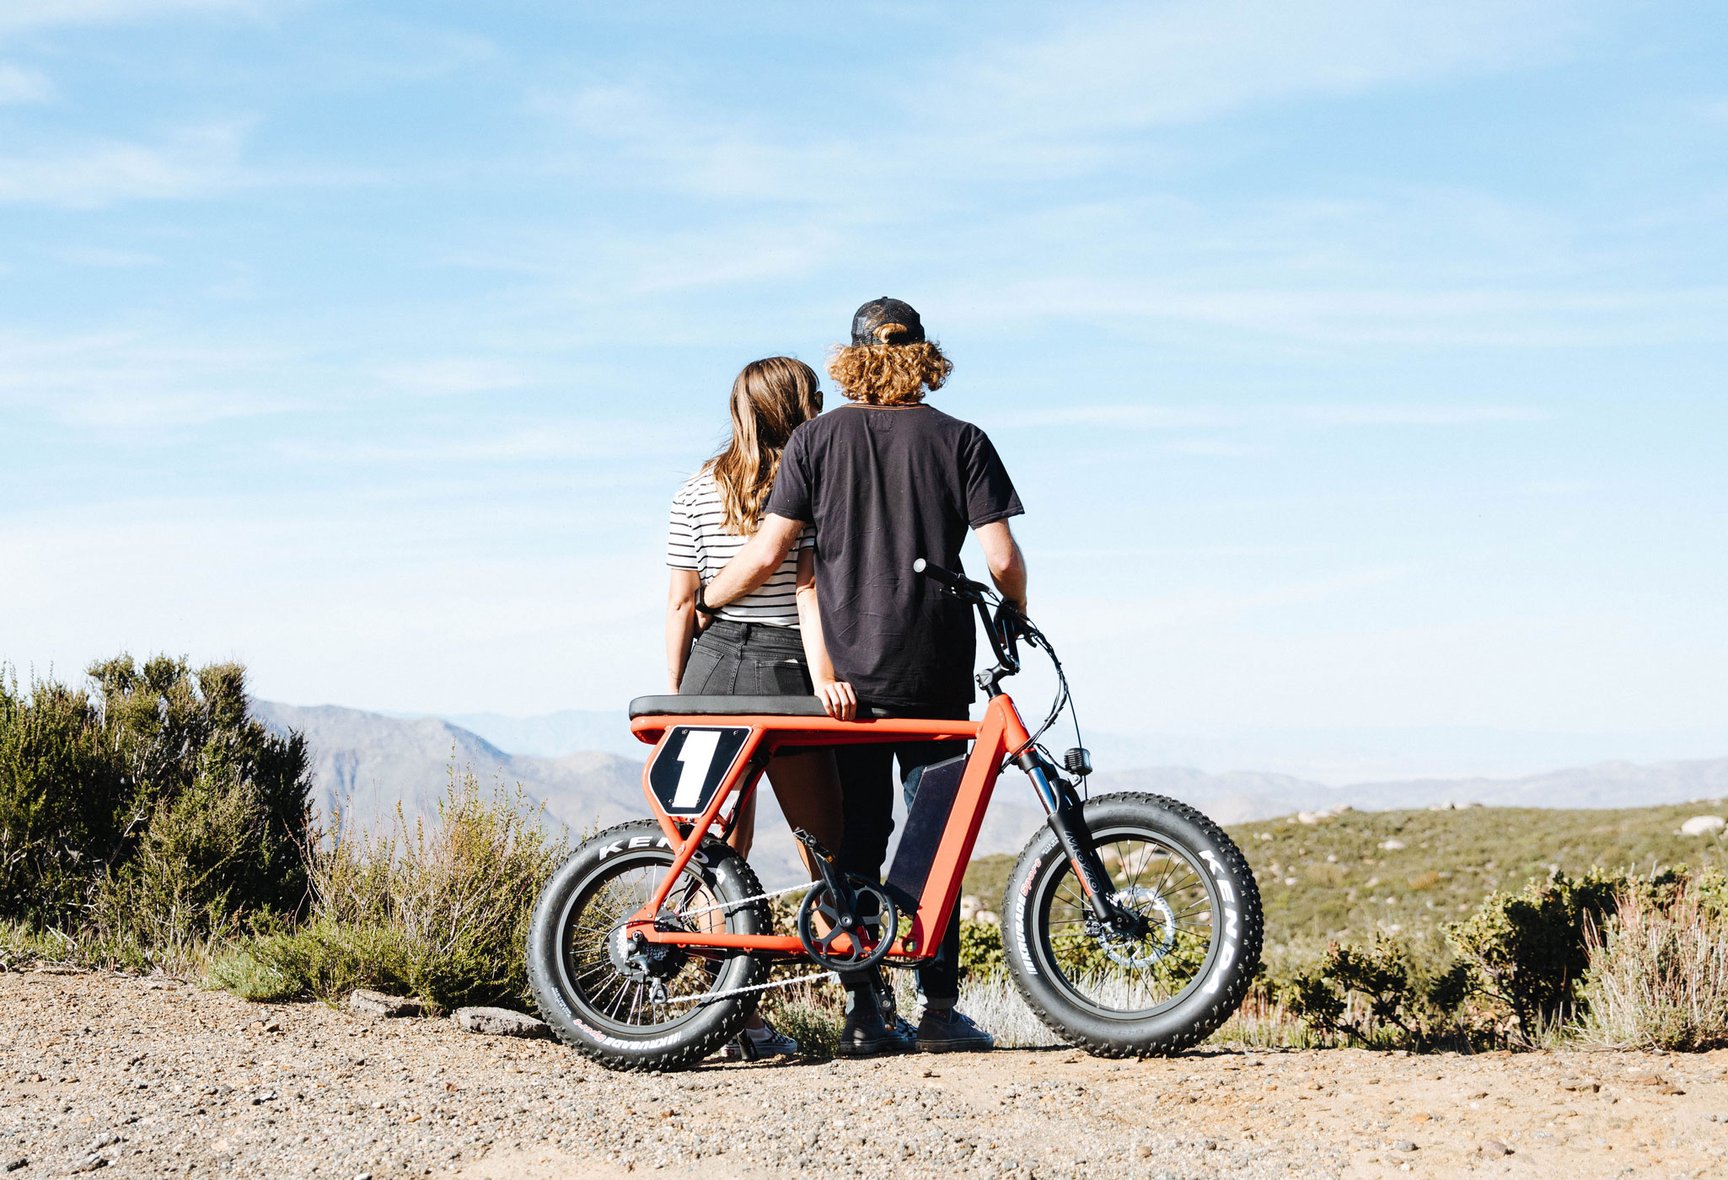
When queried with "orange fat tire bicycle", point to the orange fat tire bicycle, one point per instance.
{"points": [[1131, 923]]}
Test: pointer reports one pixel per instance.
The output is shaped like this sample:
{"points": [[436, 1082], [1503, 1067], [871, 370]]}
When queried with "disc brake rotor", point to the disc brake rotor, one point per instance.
{"points": [[1159, 936]]}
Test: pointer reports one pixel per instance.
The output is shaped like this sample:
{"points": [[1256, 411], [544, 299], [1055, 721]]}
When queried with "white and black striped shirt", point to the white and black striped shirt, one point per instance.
{"points": [[698, 540]]}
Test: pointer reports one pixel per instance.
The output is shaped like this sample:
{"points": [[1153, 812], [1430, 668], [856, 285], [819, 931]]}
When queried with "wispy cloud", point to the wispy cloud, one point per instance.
{"points": [[547, 441], [201, 161], [1038, 103], [20, 85], [25, 15], [1129, 66], [456, 375], [102, 258], [135, 379], [1171, 417], [1517, 318], [192, 162]]}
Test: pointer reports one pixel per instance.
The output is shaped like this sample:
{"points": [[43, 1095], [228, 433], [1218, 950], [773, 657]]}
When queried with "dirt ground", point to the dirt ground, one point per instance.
{"points": [[151, 1077]]}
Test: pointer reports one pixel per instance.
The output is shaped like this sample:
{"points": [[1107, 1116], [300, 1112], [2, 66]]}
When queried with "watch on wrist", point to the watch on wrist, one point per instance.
{"points": [[701, 605]]}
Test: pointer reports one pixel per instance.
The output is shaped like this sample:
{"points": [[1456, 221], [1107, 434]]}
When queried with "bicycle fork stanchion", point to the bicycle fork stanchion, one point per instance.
{"points": [[1063, 814]]}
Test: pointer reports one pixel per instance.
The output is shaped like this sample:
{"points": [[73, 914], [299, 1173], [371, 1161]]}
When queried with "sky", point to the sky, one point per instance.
{"points": [[1361, 367]]}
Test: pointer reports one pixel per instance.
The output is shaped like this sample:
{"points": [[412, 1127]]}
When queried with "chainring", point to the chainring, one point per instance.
{"points": [[864, 946]]}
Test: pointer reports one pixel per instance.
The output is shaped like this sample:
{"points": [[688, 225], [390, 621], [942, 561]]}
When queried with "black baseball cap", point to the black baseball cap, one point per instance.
{"points": [[882, 311]]}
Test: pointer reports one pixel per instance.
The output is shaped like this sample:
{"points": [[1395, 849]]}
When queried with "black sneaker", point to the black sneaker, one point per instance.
{"points": [[865, 1034], [952, 1032], [755, 1044], [891, 1015]]}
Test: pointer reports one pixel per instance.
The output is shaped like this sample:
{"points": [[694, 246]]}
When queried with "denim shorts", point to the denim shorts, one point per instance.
{"points": [[747, 659]]}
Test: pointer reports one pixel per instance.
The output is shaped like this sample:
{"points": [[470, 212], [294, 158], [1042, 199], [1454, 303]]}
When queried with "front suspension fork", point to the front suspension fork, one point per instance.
{"points": [[1063, 813]]}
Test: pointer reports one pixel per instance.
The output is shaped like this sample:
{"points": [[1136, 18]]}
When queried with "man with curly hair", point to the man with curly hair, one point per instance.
{"points": [[887, 479]]}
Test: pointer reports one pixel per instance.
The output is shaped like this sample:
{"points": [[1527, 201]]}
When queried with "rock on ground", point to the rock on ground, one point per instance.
{"points": [[378, 1004], [500, 1022], [153, 1080], [1703, 825]]}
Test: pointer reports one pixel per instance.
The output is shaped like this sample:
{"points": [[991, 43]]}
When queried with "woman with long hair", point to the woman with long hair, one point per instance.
{"points": [[769, 642]]}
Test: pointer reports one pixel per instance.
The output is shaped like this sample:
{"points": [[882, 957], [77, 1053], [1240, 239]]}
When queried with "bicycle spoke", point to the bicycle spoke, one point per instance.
{"points": [[1127, 974]]}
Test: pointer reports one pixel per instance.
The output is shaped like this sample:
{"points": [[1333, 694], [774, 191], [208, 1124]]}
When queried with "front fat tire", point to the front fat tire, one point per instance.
{"points": [[578, 1014], [1210, 996]]}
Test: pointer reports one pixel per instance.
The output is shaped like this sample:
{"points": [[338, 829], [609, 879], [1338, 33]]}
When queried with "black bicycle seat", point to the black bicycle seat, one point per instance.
{"points": [[723, 706], [741, 706]]}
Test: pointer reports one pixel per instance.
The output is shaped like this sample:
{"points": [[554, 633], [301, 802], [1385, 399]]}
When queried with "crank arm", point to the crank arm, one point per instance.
{"points": [[832, 877]]}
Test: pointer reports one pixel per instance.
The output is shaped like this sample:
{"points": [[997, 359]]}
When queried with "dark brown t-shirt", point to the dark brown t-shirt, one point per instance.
{"points": [[884, 487]]}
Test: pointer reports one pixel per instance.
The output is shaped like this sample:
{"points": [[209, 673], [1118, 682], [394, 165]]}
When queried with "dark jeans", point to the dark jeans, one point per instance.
{"points": [[746, 659], [867, 783]]}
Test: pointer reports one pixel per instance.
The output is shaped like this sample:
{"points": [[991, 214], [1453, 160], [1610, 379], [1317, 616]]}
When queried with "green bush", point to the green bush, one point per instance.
{"points": [[155, 813], [1525, 952], [1377, 995], [981, 954], [436, 910], [60, 792]]}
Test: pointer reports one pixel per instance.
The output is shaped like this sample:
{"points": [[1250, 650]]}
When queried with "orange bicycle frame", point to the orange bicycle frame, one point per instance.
{"points": [[999, 733]]}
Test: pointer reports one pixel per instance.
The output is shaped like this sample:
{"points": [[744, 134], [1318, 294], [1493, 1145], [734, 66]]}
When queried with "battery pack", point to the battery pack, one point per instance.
{"points": [[934, 788]]}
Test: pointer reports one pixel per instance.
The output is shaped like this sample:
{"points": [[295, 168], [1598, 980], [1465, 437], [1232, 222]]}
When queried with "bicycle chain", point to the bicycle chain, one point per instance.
{"points": [[803, 887], [716, 997]]}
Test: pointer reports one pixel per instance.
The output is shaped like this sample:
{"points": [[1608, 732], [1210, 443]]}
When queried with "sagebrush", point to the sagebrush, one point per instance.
{"points": [[1658, 971], [436, 909], [149, 813]]}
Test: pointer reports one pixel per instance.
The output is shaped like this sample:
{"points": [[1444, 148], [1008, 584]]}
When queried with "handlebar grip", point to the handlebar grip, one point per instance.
{"points": [[958, 583], [937, 574]]}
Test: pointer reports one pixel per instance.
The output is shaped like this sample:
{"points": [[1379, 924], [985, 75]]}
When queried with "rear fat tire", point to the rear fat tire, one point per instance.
{"points": [[575, 1004], [1234, 932]]}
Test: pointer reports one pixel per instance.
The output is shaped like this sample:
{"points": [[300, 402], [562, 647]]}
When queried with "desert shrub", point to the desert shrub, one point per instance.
{"points": [[1266, 1020], [60, 790], [1658, 972], [216, 817], [812, 1017], [981, 954], [324, 958], [1525, 952], [1378, 995], [439, 910], [154, 814], [20, 945]]}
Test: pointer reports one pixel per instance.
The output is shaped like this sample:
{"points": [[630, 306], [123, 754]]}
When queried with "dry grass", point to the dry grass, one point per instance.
{"points": [[813, 1014], [1658, 977], [436, 910]]}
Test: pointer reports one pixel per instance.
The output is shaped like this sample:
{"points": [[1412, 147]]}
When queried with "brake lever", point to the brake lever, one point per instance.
{"points": [[1013, 623], [1007, 625]]}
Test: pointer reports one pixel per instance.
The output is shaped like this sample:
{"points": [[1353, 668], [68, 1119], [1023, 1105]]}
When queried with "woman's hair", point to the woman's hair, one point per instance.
{"points": [[769, 399], [889, 374]]}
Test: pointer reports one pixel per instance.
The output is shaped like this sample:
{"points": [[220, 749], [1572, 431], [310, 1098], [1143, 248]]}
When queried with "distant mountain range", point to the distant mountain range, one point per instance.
{"points": [[367, 763]]}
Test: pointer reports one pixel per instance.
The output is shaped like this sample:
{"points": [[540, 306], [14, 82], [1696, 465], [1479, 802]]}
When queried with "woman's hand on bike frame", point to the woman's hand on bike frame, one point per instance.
{"points": [[838, 699]]}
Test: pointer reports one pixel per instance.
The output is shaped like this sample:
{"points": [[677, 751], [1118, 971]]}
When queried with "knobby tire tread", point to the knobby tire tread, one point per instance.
{"points": [[1211, 1018], [702, 1047]]}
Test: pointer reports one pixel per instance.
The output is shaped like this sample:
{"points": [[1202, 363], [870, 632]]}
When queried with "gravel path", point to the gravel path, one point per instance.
{"points": [[153, 1077]]}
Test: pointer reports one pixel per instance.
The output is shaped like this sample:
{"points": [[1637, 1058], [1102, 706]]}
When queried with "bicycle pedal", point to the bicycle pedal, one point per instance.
{"points": [[813, 844]]}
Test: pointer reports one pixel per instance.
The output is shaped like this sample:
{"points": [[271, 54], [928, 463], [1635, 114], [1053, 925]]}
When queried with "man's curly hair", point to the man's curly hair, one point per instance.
{"points": [[889, 374]]}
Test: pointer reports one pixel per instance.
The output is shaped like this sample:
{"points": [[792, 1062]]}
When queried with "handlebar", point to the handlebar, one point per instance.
{"points": [[1003, 630], [958, 583]]}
